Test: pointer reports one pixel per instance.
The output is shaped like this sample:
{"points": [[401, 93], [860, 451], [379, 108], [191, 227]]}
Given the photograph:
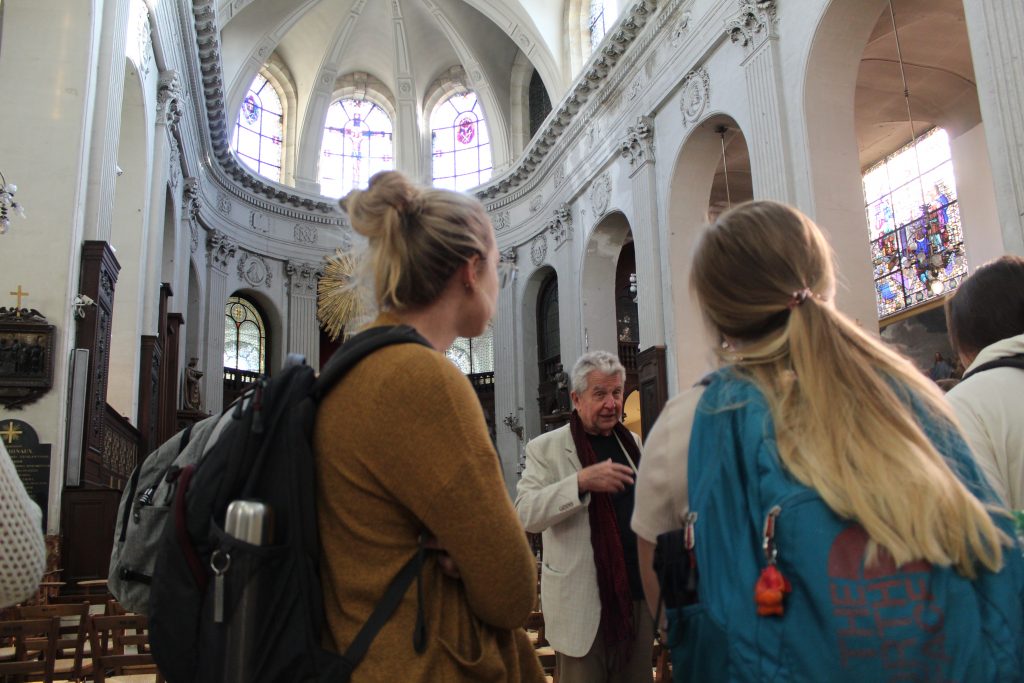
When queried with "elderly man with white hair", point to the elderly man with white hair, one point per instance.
{"points": [[578, 491]]}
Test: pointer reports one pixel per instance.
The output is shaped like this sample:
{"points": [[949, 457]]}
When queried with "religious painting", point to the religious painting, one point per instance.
{"points": [[26, 356]]}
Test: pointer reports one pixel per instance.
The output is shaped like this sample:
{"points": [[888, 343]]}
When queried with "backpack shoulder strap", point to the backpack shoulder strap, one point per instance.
{"points": [[1014, 361], [359, 347]]}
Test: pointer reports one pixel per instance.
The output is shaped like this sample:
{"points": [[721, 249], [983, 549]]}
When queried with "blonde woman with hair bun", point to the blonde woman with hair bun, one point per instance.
{"points": [[403, 453], [813, 468]]}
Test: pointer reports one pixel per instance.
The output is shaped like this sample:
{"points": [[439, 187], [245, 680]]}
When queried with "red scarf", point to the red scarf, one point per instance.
{"points": [[612, 580]]}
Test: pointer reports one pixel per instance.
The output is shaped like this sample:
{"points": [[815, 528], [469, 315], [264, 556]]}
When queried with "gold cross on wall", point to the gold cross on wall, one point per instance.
{"points": [[10, 433], [21, 294]]}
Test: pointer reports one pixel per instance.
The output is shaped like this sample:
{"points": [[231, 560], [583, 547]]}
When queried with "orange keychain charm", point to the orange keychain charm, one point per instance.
{"points": [[771, 587]]}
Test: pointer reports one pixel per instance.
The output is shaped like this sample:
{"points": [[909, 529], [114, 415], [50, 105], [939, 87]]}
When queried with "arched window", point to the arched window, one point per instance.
{"points": [[540, 103], [602, 15], [553, 386], [476, 355], [245, 337], [259, 129], [460, 143], [917, 243], [358, 142]]}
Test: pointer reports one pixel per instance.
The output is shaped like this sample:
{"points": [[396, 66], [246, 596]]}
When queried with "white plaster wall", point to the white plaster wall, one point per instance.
{"points": [[979, 215], [48, 58]]}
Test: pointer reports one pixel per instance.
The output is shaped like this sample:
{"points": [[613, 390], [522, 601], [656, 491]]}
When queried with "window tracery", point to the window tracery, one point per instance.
{"points": [[460, 143], [259, 129], [358, 142], [245, 336]]}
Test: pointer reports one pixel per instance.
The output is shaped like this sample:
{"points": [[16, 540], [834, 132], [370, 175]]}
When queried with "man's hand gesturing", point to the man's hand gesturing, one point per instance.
{"points": [[604, 477]]}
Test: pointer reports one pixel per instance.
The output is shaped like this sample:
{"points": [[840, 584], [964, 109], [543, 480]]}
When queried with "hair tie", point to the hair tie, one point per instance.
{"points": [[799, 297]]}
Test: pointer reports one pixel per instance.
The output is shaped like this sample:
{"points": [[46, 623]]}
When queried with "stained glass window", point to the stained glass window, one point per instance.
{"points": [[602, 15], [917, 242], [245, 337], [358, 142], [460, 143], [259, 130], [474, 355]]}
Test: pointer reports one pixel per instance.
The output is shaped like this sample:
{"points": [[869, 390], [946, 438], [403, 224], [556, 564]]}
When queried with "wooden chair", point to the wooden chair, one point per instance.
{"points": [[120, 649], [73, 621], [35, 647]]}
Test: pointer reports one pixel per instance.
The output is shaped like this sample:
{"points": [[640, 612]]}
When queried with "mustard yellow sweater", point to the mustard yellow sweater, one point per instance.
{"points": [[402, 446]]}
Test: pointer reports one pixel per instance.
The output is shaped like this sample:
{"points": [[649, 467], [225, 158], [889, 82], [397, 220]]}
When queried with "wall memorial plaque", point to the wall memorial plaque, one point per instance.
{"points": [[31, 459], [26, 356]]}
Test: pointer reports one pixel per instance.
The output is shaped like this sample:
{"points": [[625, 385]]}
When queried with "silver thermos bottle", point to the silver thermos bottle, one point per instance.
{"points": [[248, 521]]}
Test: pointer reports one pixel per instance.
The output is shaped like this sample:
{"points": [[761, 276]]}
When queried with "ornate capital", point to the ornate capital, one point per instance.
{"points": [[219, 248], [168, 98], [190, 197], [638, 145], [303, 277], [560, 227], [754, 23]]}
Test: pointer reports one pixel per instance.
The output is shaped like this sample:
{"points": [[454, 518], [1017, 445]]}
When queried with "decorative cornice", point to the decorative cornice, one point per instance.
{"points": [[220, 249], [566, 119], [303, 277], [755, 22], [638, 145], [213, 90]]}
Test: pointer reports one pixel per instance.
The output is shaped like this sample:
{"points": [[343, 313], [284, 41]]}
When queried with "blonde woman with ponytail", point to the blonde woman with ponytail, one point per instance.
{"points": [[405, 461], [835, 466]]}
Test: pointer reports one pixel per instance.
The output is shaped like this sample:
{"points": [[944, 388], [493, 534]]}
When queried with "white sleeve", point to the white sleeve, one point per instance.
{"points": [[661, 496], [21, 537]]}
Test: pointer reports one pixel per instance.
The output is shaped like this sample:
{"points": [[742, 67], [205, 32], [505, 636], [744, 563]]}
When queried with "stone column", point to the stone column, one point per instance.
{"points": [[638, 148], [303, 328], [219, 252], [754, 30], [166, 172], [106, 129], [995, 28], [508, 412]]}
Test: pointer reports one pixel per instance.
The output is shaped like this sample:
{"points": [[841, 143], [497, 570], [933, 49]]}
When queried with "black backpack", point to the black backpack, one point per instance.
{"points": [[1014, 361], [222, 609]]}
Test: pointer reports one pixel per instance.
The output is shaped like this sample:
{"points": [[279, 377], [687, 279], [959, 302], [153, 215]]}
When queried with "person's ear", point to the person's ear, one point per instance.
{"points": [[469, 272]]}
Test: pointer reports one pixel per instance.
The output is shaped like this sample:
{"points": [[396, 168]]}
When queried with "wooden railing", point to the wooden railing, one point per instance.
{"points": [[627, 355], [236, 381], [122, 449]]}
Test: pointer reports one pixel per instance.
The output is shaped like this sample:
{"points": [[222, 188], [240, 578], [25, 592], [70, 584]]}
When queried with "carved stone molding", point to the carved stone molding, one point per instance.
{"points": [[173, 163], [303, 277], [638, 145], [190, 197], [539, 249], [536, 202], [560, 174], [680, 31], [223, 203], [754, 23], [220, 249], [254, 270], [168, 98], [259, 222], [601, 193], [502, 221], [306, 234], [560, 227], [696, 93]]}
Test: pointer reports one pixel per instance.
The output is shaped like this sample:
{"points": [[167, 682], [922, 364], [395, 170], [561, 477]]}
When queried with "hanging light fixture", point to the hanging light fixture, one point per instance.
{"points": [[721, 130], [935, 284], [7, 204]]}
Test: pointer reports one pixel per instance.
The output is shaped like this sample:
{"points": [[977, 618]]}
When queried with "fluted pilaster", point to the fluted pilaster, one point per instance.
{"points": [[507, 406], [303, 328]]}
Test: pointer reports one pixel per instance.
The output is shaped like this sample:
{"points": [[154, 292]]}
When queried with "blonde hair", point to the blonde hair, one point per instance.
{"points": [[418, 237], [763, 273]]}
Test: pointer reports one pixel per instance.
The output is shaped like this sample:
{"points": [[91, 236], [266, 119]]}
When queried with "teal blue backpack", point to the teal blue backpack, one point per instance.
{"points": [[841, 621]]}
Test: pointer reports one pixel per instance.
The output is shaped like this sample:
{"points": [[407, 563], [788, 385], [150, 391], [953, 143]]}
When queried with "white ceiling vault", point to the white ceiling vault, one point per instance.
{"points": [[406, 45]]}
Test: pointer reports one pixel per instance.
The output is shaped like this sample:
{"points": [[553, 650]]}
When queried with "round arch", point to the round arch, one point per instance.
{"points": [[128, 235], [273, 321], [696, 188], [598, 293]]}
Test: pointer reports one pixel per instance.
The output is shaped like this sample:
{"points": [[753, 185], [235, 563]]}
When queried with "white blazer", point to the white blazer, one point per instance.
{"points": [[548, 502]]}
